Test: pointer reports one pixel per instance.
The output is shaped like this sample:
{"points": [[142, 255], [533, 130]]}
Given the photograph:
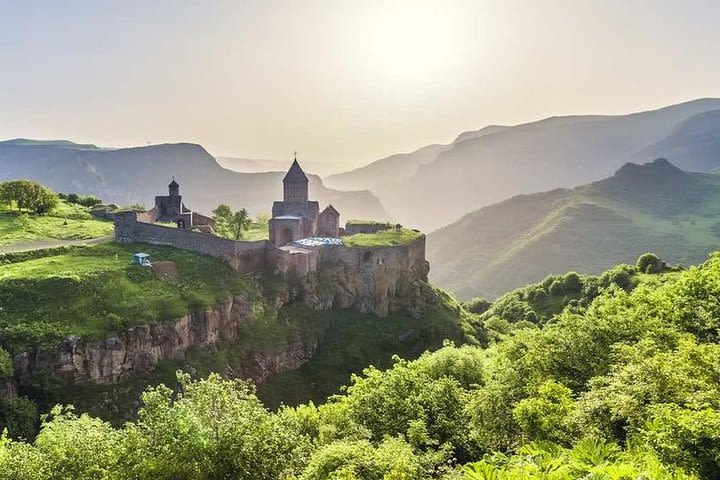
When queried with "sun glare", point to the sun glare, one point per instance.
{"points": [[409, 48]]}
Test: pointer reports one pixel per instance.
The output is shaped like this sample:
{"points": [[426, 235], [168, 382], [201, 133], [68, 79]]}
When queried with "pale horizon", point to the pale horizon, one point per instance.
{"points": [[341, 83]]}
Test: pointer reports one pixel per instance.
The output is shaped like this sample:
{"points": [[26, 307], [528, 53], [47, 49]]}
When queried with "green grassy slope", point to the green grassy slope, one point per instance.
{"points": [[66, 222], [95, 291], [652, 207]]}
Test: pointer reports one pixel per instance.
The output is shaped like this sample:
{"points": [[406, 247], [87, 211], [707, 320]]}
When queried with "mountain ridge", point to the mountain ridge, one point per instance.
{"points": [[554, 152], [137, 174], [651, 207]]}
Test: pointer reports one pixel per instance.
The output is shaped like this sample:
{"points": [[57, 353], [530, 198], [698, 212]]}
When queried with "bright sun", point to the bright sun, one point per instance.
{"points": [[411, 46]]}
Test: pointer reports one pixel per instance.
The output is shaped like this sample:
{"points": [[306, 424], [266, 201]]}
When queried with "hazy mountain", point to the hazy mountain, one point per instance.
{"points": [[483, 167], [136, 175], [259, 165], [389, 172], [694, 144], [652, 207], [386, 170]]}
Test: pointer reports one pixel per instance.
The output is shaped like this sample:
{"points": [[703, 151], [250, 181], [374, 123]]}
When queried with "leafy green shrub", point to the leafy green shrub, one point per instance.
{"points": [[477, 305], [6, 365], [556, 288], [620, 275], [686, 438], [572, 282], [545, 415], [19, 415], [392, 459], [647, 261]]}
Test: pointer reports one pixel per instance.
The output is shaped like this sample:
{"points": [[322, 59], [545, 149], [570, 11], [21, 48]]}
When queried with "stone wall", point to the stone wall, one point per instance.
{"points": [[368, 227], [295, 262], [242, 256]]}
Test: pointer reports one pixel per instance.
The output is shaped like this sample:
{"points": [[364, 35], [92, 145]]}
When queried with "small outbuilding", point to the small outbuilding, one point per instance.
{"points": [[142, 259]]}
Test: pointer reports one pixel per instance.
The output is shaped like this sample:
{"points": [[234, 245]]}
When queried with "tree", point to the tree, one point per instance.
{"points": [[478, 305], [28, 195], [573, 282], [648, 263], [231, 224]]}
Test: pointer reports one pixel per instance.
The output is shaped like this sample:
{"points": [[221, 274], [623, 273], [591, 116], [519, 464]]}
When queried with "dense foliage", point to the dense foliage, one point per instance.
{"points": [[27, 195], [621, 384], [84, 200], [231, 224]]}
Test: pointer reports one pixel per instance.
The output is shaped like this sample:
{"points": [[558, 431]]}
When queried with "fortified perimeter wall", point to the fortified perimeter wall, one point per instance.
{"points": [[242, 256]]}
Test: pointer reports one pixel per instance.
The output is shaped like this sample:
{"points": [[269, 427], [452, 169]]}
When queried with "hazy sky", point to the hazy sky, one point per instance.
{"points": [[339, 81]]}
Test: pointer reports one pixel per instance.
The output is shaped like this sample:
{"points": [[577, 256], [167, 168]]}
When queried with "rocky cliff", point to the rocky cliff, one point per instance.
{"points": [[140, 349], [375, 280]]}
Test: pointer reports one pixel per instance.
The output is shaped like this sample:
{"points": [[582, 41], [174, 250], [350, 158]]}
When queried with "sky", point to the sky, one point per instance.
{"points": [[341, 82]]}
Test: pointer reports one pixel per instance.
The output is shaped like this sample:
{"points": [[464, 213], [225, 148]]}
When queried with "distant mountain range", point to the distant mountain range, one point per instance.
{"points": [[438, 184], [136, 175], [652, 207], [260, 165]]}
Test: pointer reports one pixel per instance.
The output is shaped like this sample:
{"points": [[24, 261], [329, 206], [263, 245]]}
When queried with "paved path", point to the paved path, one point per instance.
{"points": [[43, 244]]}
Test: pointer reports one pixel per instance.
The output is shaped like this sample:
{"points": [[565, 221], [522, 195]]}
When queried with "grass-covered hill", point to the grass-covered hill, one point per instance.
{"points": [[651, 207], [97, 291], [615, 377], [135, 175], [23, 230]]}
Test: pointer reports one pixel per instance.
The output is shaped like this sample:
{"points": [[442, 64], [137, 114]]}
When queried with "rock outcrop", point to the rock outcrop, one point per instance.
{"points": [[141, 348], [376, 280]]}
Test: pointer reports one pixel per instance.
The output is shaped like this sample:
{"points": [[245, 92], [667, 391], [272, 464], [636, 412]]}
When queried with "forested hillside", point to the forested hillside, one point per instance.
{"points": [[655, 206], [610, 377]]}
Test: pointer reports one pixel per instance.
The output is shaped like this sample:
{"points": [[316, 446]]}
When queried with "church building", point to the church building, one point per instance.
{"points": [[297, 217], [171, 209]]}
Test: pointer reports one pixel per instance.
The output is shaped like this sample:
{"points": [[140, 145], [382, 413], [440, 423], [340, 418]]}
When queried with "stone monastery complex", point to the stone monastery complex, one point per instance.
{"points": [[302, 240]]}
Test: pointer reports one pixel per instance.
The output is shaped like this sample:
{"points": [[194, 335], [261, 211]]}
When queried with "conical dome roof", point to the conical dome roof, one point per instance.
{"points": [[295, 174]]}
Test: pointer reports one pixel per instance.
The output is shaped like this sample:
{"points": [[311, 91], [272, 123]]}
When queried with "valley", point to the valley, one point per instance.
{"points": [[334, 341]]}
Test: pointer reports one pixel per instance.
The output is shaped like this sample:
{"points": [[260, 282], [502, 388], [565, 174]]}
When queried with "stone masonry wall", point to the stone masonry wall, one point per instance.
{"points": [[242, 256], [368, 227]]}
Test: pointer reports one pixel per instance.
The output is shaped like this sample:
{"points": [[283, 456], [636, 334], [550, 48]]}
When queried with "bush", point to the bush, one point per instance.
{"points": [[6, 366], [573, 282], [28, 195], [19, 415], [557, 288], [478, 305], [84, 200], [647, 262]]}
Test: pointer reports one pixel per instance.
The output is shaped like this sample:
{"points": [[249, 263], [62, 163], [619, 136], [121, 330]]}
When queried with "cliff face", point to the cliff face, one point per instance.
{"points": [[376, 280], [140, 349]]}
